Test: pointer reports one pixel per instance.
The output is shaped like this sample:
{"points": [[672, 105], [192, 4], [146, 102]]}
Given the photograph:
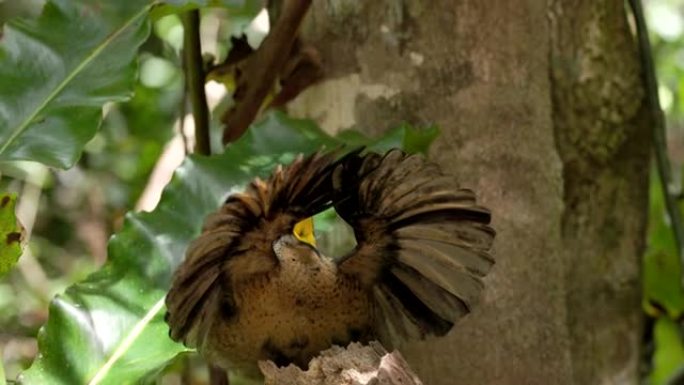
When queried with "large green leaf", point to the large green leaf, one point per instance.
{"points": [[56, 72], [109, 328]]}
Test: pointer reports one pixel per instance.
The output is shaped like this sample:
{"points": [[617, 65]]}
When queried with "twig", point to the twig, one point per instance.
{"points": [[27, 212], [217, 376], [273, 7], [263, 68], [183, 110], [659, 141], [194, 75]]}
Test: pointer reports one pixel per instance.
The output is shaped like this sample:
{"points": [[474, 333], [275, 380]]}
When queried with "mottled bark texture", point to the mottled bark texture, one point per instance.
{"points": [[603, 137], [542, 112]]}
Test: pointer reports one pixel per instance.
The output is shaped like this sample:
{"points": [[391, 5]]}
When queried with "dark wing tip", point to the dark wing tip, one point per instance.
{"points": [[423, 241], [187, 302]]}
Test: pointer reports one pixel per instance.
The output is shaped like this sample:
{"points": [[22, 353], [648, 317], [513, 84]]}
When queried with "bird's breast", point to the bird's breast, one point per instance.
{"points": [[289, 316]]}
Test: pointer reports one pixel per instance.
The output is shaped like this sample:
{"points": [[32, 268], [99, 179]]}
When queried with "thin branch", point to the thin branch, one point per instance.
{"points": [[27, 212], [263, 68], [217, 376], [659, 138], [183, 110], [194, 75]]}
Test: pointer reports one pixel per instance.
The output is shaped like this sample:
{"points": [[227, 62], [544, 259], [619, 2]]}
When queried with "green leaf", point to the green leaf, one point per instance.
{"points": [[242, 8], [56, 73], [353, 137], [669, 352], [419, 140], [662, 289], [413, 140], [11, 233], [661, 266], [109, 329]]}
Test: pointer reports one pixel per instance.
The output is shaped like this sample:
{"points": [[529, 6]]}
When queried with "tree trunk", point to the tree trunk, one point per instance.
{"points": [[542, 113]]}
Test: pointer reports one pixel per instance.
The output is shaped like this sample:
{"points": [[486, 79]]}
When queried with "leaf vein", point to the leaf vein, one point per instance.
{"points": [[70, 77]]}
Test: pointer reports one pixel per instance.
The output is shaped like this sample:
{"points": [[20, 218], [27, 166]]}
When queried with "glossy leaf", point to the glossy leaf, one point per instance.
{"points": [[56, 73], [109, 329], [11, 233]]}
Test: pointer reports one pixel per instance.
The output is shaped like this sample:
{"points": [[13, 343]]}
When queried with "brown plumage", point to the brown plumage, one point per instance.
{"points": [[249, 290]]}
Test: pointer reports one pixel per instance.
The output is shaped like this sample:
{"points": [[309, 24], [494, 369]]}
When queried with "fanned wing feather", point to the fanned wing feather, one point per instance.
{"points": [[468, 234], [423, 242], [236, 241], [395, 323], [444, 304]]}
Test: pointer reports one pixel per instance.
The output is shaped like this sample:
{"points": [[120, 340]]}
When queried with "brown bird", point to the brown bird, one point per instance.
{"points": [[253, 289]]}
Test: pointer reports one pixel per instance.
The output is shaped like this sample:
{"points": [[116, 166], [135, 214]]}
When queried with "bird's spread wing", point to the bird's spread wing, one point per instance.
{"points": [[422, 242], [236, 242]]}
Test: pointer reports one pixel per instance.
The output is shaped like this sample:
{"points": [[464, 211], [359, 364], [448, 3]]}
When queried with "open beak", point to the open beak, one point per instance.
{"points": [[304, 231]]}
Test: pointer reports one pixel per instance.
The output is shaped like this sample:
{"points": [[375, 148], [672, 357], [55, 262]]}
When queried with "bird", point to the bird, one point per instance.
{"points": [[253, 285]]}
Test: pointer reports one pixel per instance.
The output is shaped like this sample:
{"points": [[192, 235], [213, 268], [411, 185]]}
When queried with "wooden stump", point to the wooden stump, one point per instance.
{"points": [[356, 365]]}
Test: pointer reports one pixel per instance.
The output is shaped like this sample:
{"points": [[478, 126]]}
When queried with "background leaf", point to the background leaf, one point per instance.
{"points": [[669, 354], [56, 73], [109, 329], [241, 8], [663, 295], [2, 373], [11, 233]]}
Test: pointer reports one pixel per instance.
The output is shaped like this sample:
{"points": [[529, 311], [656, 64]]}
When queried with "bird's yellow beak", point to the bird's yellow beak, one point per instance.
{"points": [[304, 231]]}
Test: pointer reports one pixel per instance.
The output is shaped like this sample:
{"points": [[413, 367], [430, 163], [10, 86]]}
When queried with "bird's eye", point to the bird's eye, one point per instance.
{"points": [[304, 231]]}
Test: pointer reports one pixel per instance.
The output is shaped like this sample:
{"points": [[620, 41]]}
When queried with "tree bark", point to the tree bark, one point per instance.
{"points": [[542, 113], [602, 128]]}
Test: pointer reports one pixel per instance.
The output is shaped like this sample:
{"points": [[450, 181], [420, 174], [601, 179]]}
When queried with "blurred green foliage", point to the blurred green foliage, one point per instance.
{"points": [[663, 299], [667, 29]]}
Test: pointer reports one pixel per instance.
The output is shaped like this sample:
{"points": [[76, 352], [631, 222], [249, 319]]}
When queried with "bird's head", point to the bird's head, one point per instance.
{"points": [[299, 246]]}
